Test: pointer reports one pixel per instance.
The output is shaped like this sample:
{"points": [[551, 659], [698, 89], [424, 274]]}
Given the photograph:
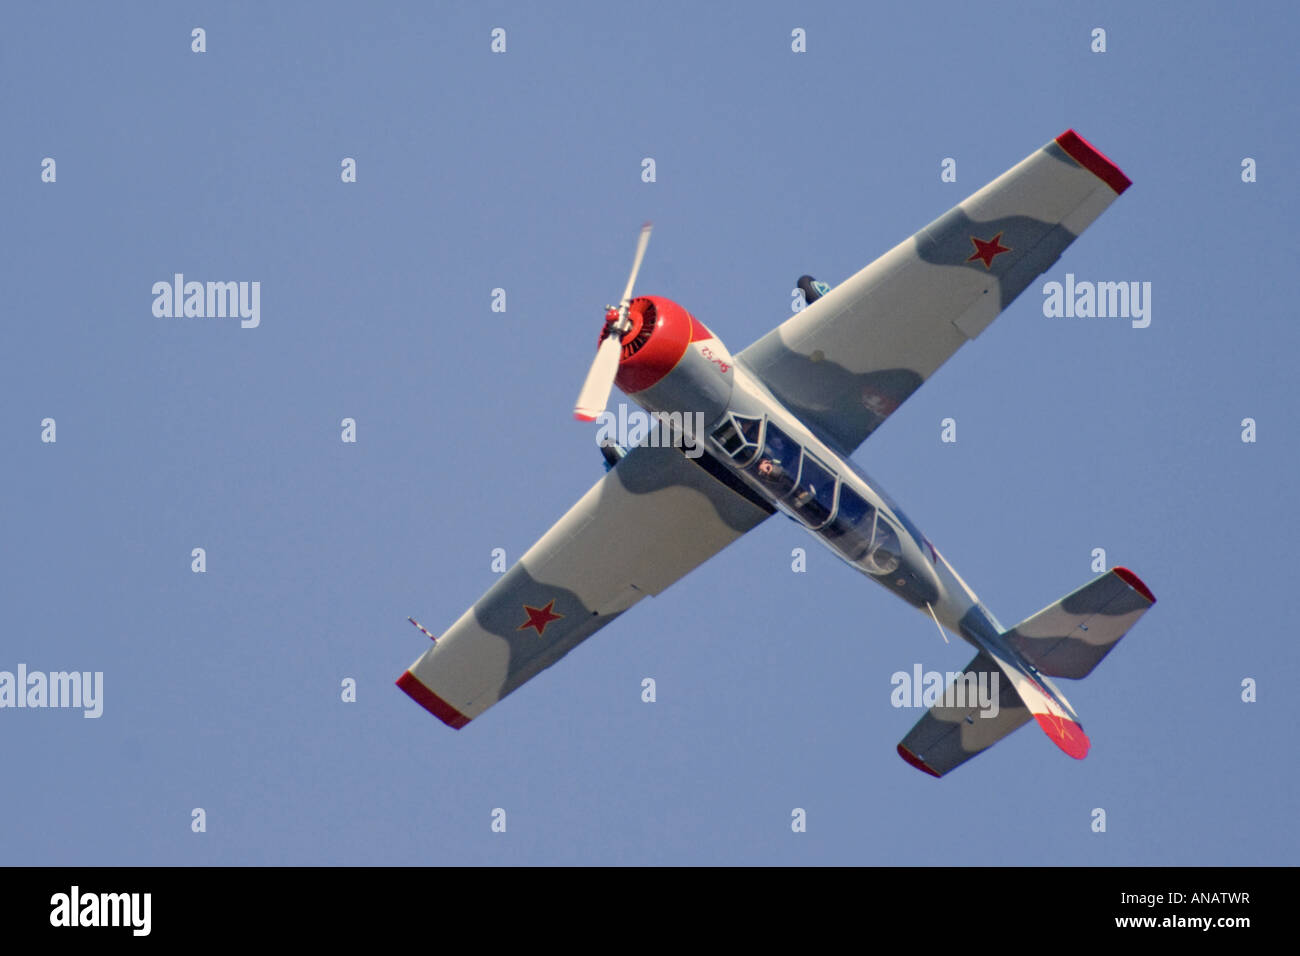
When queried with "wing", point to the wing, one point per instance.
{"points": [[651, 519], [846, 362]]}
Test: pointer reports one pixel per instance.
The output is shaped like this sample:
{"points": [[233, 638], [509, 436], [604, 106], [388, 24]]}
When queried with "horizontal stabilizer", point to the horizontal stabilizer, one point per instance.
{"points": [[959, 727], [1066, 639], [1070, 637]]}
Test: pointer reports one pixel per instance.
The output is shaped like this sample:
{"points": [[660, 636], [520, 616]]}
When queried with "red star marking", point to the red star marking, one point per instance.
{"points": [[986, 250], [877, 403], [539, 617]]}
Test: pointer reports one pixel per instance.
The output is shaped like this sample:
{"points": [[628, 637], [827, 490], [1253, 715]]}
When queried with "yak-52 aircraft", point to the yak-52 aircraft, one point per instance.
{"points": [[783, 416]]}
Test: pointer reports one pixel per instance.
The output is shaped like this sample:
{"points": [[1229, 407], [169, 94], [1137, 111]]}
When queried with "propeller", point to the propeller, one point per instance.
{"points": [[600, 379], [642, 241]]}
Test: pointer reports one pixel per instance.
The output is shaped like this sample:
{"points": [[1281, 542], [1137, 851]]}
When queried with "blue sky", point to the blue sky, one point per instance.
{"points": [[522, 171]]}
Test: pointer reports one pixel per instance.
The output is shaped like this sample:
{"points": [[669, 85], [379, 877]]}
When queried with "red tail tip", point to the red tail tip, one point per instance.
{"points": [[1066, 734]]}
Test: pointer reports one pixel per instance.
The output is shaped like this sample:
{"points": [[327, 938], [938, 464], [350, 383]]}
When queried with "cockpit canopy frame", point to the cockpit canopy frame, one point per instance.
{"points": [[811, 491]]}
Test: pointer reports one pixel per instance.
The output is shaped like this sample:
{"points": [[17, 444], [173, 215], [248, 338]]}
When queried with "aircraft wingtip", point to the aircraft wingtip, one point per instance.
{"points": [[431, 702], [1093, 160]]}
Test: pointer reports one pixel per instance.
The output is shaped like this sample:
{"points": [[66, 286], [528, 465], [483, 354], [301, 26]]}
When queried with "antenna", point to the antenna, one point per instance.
{"points": [[421, 627]]}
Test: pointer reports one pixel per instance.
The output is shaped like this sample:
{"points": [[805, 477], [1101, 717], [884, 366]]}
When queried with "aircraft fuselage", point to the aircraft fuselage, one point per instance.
{"points": [[782, 463]]}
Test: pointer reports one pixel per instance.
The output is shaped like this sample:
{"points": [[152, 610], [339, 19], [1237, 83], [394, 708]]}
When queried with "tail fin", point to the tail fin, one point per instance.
{"points": [[1048, 705], [1067, 639]]}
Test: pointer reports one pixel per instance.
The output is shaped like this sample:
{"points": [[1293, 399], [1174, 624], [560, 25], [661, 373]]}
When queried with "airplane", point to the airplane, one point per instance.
{"points": [[783, 417]]}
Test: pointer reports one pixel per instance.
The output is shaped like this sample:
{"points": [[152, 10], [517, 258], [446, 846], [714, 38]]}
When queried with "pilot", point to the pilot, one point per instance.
{"points": [[770, 470]]}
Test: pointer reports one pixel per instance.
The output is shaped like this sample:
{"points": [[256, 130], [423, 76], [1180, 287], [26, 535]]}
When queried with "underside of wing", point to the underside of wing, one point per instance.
{"points": [[846, 362], [650, 520]]}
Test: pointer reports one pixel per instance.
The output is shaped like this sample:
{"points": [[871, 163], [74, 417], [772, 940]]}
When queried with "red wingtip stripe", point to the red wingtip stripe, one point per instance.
{"points": [[431, 702], [584, 418], [1092, 159], [1135, 582], [916, 761], [1066, 734]]}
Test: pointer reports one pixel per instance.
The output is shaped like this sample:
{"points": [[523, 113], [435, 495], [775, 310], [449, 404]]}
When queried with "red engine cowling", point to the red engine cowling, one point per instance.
{"points": [[671, 361]]}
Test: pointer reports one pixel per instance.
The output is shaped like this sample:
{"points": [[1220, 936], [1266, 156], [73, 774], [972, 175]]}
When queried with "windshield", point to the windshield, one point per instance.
{"points": [[738, 437]]}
